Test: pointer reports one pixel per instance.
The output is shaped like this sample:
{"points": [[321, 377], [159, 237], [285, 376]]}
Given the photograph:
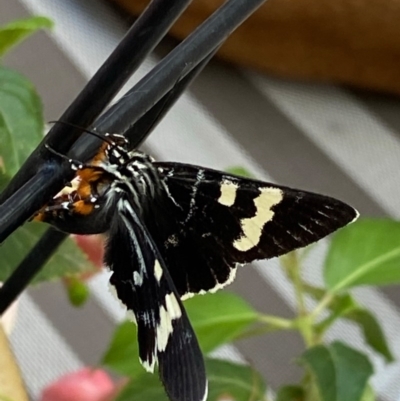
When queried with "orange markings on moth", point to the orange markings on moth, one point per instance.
{"points": [[82, 207], [100, 155], [79, 194], [39, 217]]}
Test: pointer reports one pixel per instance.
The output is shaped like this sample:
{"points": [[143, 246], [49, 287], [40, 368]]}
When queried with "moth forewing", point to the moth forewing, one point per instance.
{"points": [[230, 220]]}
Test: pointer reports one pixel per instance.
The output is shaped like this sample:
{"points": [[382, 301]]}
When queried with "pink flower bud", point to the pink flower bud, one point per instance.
{"points": [[93, 246], [84, 385]]}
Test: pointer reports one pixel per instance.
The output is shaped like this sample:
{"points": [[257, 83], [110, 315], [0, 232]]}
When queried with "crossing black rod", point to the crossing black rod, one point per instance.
{"points": [[145, 94], [140, 40], [177, 64], [28, 268], [52, 239]]}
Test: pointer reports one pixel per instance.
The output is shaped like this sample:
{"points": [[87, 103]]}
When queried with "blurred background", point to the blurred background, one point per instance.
{"points": [[304, 95]]}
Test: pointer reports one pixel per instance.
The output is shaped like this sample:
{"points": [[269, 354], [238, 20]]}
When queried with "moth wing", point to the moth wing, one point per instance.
{"points": [[210, 221], [143, 284]]}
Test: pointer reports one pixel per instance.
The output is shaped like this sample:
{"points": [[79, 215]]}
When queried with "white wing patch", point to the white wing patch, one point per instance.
{"points": [[147, 366], [218, 286], [158, 272], [252, 227], [228, 193], [164, 329], [137, 278], [170, 312], [173, 306]]}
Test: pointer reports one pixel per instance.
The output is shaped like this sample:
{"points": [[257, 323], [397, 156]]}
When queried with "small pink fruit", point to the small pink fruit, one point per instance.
{"points": [[84, 385]]}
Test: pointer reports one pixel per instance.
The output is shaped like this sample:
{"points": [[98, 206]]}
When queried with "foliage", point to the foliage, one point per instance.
{"points": [[227, 381], [16, 31], [21, 129], [333, 372]]}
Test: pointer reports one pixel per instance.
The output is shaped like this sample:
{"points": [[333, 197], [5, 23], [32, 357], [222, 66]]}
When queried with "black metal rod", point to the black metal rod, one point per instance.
{"points": [[139, 41], [154, 86], [20, 207], [87, 145], [209, 35], [47, 245], [138, 132], [16, 210], [24, 273], [127, 111]]}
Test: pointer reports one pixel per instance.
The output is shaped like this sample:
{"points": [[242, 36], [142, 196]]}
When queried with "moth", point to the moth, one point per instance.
{"points": [[175, 230]]}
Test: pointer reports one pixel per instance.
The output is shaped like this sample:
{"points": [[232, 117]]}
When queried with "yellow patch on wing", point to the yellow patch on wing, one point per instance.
{"points": [[252, 227]]}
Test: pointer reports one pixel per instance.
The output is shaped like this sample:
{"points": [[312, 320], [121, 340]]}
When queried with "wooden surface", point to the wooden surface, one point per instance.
{"points": [[11, 385], [355, 42]]}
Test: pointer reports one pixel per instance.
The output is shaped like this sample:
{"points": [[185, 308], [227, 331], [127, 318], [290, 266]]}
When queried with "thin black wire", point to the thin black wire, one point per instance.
{"points": [[52, 239]]}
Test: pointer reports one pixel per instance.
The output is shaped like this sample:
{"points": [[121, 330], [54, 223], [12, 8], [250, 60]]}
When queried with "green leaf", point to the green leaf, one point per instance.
{"points": [[230, 381], [290, 393], [68, 260], [364, 253], [240, 171], [21, 120], [216, 318], [144, 387], [21, 129], [122, 355], [3, 178], [227, 381], [340, 372], [369, 394], [372, 331], [339, 307], [345, 306], [78, 291], [16, 31], [219, 318]]}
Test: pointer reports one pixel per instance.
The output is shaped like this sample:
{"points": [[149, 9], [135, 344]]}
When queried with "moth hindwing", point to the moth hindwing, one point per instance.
{"points": [[143, 284], [175, 230]]}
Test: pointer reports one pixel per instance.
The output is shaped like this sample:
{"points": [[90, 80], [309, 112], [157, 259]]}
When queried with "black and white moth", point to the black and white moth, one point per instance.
{"points": [[175, 230]]}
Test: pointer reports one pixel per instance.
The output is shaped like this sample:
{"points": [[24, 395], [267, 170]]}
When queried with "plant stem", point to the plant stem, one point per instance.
{"points": [[276, 322], [325, 301], [306, 329], [305, 322], [292, 267]]}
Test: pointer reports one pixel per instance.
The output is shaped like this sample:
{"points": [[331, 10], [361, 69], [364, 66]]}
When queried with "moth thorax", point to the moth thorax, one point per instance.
{"points": [[117, 155], [146, 177]]}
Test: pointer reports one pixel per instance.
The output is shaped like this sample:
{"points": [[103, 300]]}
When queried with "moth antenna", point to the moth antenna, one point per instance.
{"points": [[75, 165], [104, 138]]}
